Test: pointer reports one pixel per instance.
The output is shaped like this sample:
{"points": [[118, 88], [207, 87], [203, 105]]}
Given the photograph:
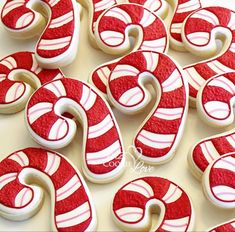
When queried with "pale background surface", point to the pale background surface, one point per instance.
{"points": [[14, 136]]}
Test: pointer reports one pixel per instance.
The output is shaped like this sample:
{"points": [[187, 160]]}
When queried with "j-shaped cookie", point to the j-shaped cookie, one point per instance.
{"points": [[20, 196], [103, 158], [134, 202], [58, 43], [19, 75], [199, 34], [160, 133]]}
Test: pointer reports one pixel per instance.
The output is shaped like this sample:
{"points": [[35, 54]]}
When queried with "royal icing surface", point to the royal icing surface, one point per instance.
{"points": [[58, 43], [19, 73], [159, 136], [200, 31], [132, 203], [71, 202], [102, 139], [226, 227]]}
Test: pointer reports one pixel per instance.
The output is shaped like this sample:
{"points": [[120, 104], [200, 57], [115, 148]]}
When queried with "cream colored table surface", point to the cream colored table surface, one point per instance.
{"points": [[14, 136]]}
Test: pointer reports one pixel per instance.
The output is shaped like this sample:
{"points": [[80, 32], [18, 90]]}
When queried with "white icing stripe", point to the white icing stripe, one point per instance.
{"points": [[102, 5], [224, 193], [218, 67], [112, 38], [169, 113], [222, 82], [105, 155], [7, 178], [58, 130], [57, 88], [151, 60], [217, 109], [209, 151], [130, 214], [103, 74], [231, 23], [35, 67], [199, 38], [88, 98], [131, 96], [62, 20], [147, 19], [193, 77], [176, 28], [153, 5], [2, 77], [21, 158], [58, 76], [207, 16], [124, 70], [38, 110], [14, 92], [180, 224], [227, 163], [11, 6], [158, 141], [100, 128], [172, 195], [68, 189], [157, 45], [141, 187], [24, 20], [119, 14], [23, 197], [231, 140], [188, 6], [74, 217], [173, 82], [232, 47], [54, 44], [9, 62], [53, 2], [53, 163]]}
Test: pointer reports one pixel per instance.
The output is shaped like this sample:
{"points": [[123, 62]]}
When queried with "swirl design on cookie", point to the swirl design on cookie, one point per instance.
{"points": [[199, 34], [70, 198], [58, 43], [112, 32], [49, 127], [159, 136], [19, 74], [134, 202]]}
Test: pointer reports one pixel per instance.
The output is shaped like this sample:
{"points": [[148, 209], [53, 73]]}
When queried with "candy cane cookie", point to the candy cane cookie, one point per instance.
{"points": [[135, 201], [19, 75], [199, 34], [214, 104], [103, 160], [113, 28], [71, 202], [58, 43], [161, 132]]}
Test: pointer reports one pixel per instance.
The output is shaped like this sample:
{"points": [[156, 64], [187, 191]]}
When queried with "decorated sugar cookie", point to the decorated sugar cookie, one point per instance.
{"points": [[71, 203], [103, 160], [214, 104], [134, 202], [160, 133], [58, 43], [19, 75], [199, 34], [112, 32]]}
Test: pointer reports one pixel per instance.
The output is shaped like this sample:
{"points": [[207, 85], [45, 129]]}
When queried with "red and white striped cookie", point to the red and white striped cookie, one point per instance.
{"points": [[161, 132], [58, 43], [219, 181], [19, 75], [199, 34], [103, 158], [225, 227], [214, 104], [71, 201], [112, 33], [134, 202]]}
